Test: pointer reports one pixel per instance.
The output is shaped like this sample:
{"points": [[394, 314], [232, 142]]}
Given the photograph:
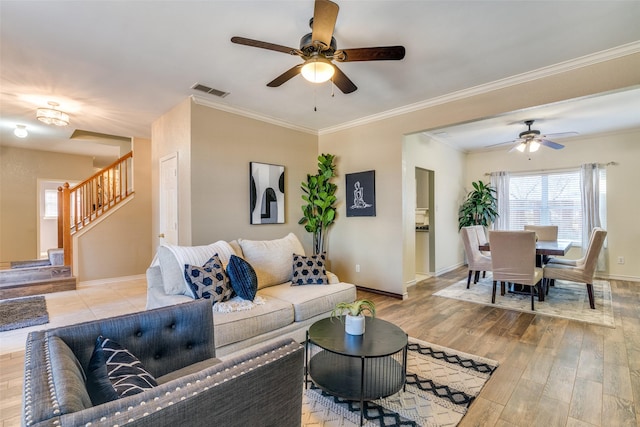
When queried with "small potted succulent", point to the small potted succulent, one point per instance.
{"points": [[354, 322]]}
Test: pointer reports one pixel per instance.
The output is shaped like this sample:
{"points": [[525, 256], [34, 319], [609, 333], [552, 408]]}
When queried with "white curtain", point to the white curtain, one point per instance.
{"points": [[590, 190], [500, 181]]}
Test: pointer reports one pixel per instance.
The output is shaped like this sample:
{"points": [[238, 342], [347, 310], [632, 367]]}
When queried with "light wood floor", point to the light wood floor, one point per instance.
{"points": [[553, 372]]}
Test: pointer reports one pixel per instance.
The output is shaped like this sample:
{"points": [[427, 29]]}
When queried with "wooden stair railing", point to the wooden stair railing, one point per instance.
{"points": [[86, 202]]}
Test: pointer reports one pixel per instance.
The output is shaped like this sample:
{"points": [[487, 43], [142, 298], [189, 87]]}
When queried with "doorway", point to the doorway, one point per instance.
{"points": [[425, 227], [48, 214]]}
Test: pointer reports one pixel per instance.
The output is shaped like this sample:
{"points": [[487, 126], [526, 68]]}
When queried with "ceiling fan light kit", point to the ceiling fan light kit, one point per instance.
{"points": [[52, 116], [319, 48], [317, 70]]}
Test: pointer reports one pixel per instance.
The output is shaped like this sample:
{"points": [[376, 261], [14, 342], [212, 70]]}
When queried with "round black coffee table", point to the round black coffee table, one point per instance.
{"points": [[356, 367]]}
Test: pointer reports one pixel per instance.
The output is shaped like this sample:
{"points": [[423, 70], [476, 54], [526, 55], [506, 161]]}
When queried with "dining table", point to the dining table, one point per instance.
{"points": [[543, 247], [558, 247]]}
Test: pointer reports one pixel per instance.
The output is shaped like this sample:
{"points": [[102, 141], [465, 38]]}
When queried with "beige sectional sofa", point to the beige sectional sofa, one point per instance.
{"points": [[279, 309]]}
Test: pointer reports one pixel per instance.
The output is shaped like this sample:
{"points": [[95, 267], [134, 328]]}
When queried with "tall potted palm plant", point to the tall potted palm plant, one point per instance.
{"points": [[319, 212], [479, 207]]}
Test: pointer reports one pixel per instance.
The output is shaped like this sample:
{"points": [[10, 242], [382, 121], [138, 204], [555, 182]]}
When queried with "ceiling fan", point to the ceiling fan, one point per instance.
{"points": [[319, 49], [530, 140]]}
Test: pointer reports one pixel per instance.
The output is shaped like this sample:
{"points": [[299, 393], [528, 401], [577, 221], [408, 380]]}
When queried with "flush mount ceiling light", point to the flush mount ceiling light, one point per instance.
{"points": [[52, 116], [317, 69], [20, 131]]}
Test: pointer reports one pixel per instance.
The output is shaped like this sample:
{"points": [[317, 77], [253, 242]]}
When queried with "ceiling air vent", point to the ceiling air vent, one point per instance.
{"points": [[207, 89]]}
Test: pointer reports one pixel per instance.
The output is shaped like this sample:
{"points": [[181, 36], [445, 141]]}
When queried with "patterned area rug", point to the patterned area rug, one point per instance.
{"points": [[441, 385], [19, 313], [566, 299]]}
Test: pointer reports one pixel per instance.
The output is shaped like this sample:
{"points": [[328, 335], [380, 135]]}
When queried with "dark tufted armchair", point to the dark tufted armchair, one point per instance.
{"points": [[176, 345]]}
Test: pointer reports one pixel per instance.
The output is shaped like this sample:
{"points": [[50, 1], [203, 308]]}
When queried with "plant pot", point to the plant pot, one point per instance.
{"points": [[354, 325]]}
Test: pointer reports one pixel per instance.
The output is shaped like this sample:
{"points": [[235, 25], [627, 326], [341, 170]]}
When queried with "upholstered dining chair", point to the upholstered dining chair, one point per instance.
{"points": [[482, 237], [544, 232], [574, 262], [476, 261], [584, 270], [513, 260]]}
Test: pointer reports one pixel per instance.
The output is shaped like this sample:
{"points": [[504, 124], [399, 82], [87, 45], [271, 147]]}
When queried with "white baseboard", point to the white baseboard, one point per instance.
{"points": [[111, 280], [448, 269], [618, 277]]}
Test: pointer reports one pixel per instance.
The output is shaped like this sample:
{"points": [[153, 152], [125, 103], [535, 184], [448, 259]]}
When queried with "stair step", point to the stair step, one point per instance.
{"points": [[46, 286], [34, 274]]}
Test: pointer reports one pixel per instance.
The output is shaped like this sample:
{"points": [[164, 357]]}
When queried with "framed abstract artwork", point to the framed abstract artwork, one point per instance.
{"points": [[360, 193], [266, 193]]}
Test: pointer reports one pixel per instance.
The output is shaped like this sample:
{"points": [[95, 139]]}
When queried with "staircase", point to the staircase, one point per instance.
{"points": [[87, 202], [78, 207], [38, 276]]}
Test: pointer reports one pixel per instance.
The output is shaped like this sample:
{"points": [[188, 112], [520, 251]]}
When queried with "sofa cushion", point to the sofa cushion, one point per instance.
{"points": [[309, 270], [311, 300], [242, 325], [114, 372], [73, 395], [242, 277], [188, 370], [172, 260], [271, 259], [209, 281]]}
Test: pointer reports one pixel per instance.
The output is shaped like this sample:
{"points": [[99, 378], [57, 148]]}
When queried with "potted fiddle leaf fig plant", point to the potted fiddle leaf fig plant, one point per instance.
{"points": [[319, 212], [354, 321], [479, 207]]}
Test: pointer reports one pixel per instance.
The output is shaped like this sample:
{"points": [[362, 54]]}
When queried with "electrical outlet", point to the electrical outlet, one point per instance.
{"points": [[357, 268], [620, 260]]}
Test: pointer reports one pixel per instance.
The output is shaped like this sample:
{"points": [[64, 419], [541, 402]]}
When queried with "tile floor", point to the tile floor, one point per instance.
{"points": [[87, 302]]}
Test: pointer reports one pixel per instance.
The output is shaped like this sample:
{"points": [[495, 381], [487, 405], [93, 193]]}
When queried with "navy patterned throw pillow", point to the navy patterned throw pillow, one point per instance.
{"points": [[209, 281], [309, 270], [114, 373], [243, 278]]}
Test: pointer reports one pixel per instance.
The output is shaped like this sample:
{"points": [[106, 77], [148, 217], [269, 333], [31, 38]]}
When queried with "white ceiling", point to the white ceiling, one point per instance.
{"points": [[116, 66]]}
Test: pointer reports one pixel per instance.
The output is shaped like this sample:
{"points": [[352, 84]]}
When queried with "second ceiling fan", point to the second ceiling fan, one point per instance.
{"points": [[530, 140], [319, 49]]}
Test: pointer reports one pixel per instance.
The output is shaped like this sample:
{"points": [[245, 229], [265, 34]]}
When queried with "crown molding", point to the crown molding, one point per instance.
{"points": [[562, 67], [250, 114]]}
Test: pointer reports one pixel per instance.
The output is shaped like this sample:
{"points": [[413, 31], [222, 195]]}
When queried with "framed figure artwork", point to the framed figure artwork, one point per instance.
{"points": [[266, 193], [360, 193]]}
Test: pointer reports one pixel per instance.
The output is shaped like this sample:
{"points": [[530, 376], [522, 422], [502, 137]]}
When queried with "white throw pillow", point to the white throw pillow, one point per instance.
{"points": [[173, 258], [271, 259]]}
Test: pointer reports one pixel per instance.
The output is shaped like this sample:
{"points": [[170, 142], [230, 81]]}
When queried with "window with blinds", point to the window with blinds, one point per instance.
{"points": [[51, 203], [552, 198]]}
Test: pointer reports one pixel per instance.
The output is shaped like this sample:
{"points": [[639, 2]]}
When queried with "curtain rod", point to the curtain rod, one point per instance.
{"points": [[556, 169]]}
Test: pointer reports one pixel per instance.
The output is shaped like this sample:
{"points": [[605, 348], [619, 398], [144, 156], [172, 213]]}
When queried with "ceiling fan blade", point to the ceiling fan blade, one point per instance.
{"points": [[325, 14], [264, 45], [343, 82], [286, 76], [560, 134], [551, 144], [503, 143], [384, 53]]}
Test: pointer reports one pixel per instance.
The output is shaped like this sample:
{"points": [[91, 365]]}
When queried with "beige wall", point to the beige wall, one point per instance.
{"points": [[20, 170], [171, 134], [448, 165], [623, 207], [215, 149], [120, 244], [377, 244]]}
